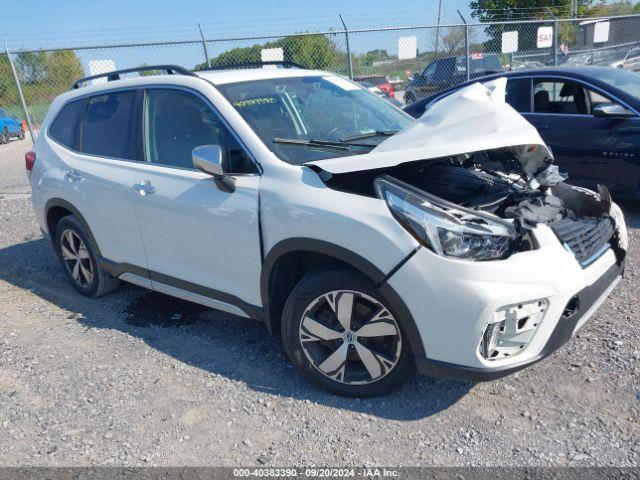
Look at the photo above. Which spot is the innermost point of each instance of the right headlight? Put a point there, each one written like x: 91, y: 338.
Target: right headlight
x: 448, y: 229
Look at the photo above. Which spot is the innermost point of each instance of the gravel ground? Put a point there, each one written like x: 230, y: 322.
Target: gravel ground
x: 137, y: 378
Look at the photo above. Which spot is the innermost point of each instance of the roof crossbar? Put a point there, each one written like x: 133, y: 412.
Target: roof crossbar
x: 115, y: 74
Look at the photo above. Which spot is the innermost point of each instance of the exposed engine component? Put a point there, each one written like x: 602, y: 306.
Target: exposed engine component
x: 496, y: 182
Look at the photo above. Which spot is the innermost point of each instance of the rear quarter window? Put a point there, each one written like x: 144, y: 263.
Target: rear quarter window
x: 64, y: 127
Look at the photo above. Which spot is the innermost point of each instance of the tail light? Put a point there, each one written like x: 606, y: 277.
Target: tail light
x: 29, y: 160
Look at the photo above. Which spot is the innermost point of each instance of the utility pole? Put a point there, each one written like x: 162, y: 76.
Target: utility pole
x: 438, y: 25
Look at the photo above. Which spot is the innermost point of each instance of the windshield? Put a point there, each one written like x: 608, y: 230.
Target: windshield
x: 312, y: 110
x: 625, y: 80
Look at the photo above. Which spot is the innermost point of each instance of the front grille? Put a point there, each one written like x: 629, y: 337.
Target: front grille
x: 585, y: 238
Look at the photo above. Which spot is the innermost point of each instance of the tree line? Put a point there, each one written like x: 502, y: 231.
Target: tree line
x: 43, y: 76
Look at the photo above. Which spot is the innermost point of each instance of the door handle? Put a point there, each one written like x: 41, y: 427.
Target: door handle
x: 72, y: 175
x: 541, y: 126
x: 144, y: 188
x: 627, y: 131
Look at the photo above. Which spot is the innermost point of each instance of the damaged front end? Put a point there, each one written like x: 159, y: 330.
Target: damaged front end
x: 474, y: 203
x: 483, y: 206
x: 476, y: 207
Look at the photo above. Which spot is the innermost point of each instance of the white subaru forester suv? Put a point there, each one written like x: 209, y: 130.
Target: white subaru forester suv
x: 373, y: 245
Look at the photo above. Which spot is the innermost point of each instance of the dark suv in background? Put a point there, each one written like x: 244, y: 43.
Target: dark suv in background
x: 447, y: 72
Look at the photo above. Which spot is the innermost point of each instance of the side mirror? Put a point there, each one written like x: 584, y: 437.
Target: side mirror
x: 611, y: 110
x: 208, y: 159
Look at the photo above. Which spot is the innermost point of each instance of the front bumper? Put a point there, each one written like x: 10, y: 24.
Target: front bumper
x: 589, y: 299
x: 453, y: 301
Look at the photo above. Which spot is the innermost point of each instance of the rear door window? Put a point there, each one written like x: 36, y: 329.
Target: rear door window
x: 64, y: 127
x: 109, y: 127
x: 560, y: 97
x: 566, y: 97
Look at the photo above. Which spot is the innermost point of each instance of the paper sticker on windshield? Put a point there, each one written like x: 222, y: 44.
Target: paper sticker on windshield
x: 342, y: 83
x: 252, y: 102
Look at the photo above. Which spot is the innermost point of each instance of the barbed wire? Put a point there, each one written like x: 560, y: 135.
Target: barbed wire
x: 262, y: 27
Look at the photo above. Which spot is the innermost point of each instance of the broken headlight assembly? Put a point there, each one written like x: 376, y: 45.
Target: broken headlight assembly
x: 446, y: 228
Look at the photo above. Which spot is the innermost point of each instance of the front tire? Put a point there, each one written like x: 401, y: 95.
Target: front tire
x: 79, y: 259
x: 341, y: 334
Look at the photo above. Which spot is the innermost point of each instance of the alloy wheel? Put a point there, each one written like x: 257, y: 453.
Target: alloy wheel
x: 350, y: 337
x: 76, y: 258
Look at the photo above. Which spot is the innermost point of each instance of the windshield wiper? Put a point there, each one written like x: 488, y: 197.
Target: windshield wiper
x: 320, y: 143
x: 376, y: 133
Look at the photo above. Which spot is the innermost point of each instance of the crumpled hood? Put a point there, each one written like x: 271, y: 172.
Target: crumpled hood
x: 473, y: 119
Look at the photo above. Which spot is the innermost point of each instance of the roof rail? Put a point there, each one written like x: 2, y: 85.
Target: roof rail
x: 231, y: 66
x: 115, y: 74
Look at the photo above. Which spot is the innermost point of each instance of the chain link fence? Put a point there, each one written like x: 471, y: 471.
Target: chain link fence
x: 407, y: 62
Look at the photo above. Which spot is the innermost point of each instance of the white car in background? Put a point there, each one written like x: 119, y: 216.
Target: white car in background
x: 371, y: 244
x: 631, y: 60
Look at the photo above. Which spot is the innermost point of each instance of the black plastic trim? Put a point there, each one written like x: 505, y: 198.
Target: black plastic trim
x: 58, y: 202
x: 301, y: 244
x: 116, y: 269
x: 401, y: 263
x: 356, y: 261
x: 115, y: 74
x: 561, y: 334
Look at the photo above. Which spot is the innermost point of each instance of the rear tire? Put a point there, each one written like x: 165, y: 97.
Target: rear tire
x: 341, y: 334
x: 79, y: 258
x: 4, y: 136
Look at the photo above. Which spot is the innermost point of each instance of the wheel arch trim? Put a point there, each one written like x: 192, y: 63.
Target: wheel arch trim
x: 58, y: 202
x: 359, y: 263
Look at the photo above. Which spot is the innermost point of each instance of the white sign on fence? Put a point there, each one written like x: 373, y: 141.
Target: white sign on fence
x: 601, y: 32
x: 510, y: 42
x: 545, y: 37
x: 407, y: 47
x: 96, y: 67
x: 272, y: 55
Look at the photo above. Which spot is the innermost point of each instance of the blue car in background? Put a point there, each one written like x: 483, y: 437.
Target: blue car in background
x: 10, y: 126
x: 588, y: 116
